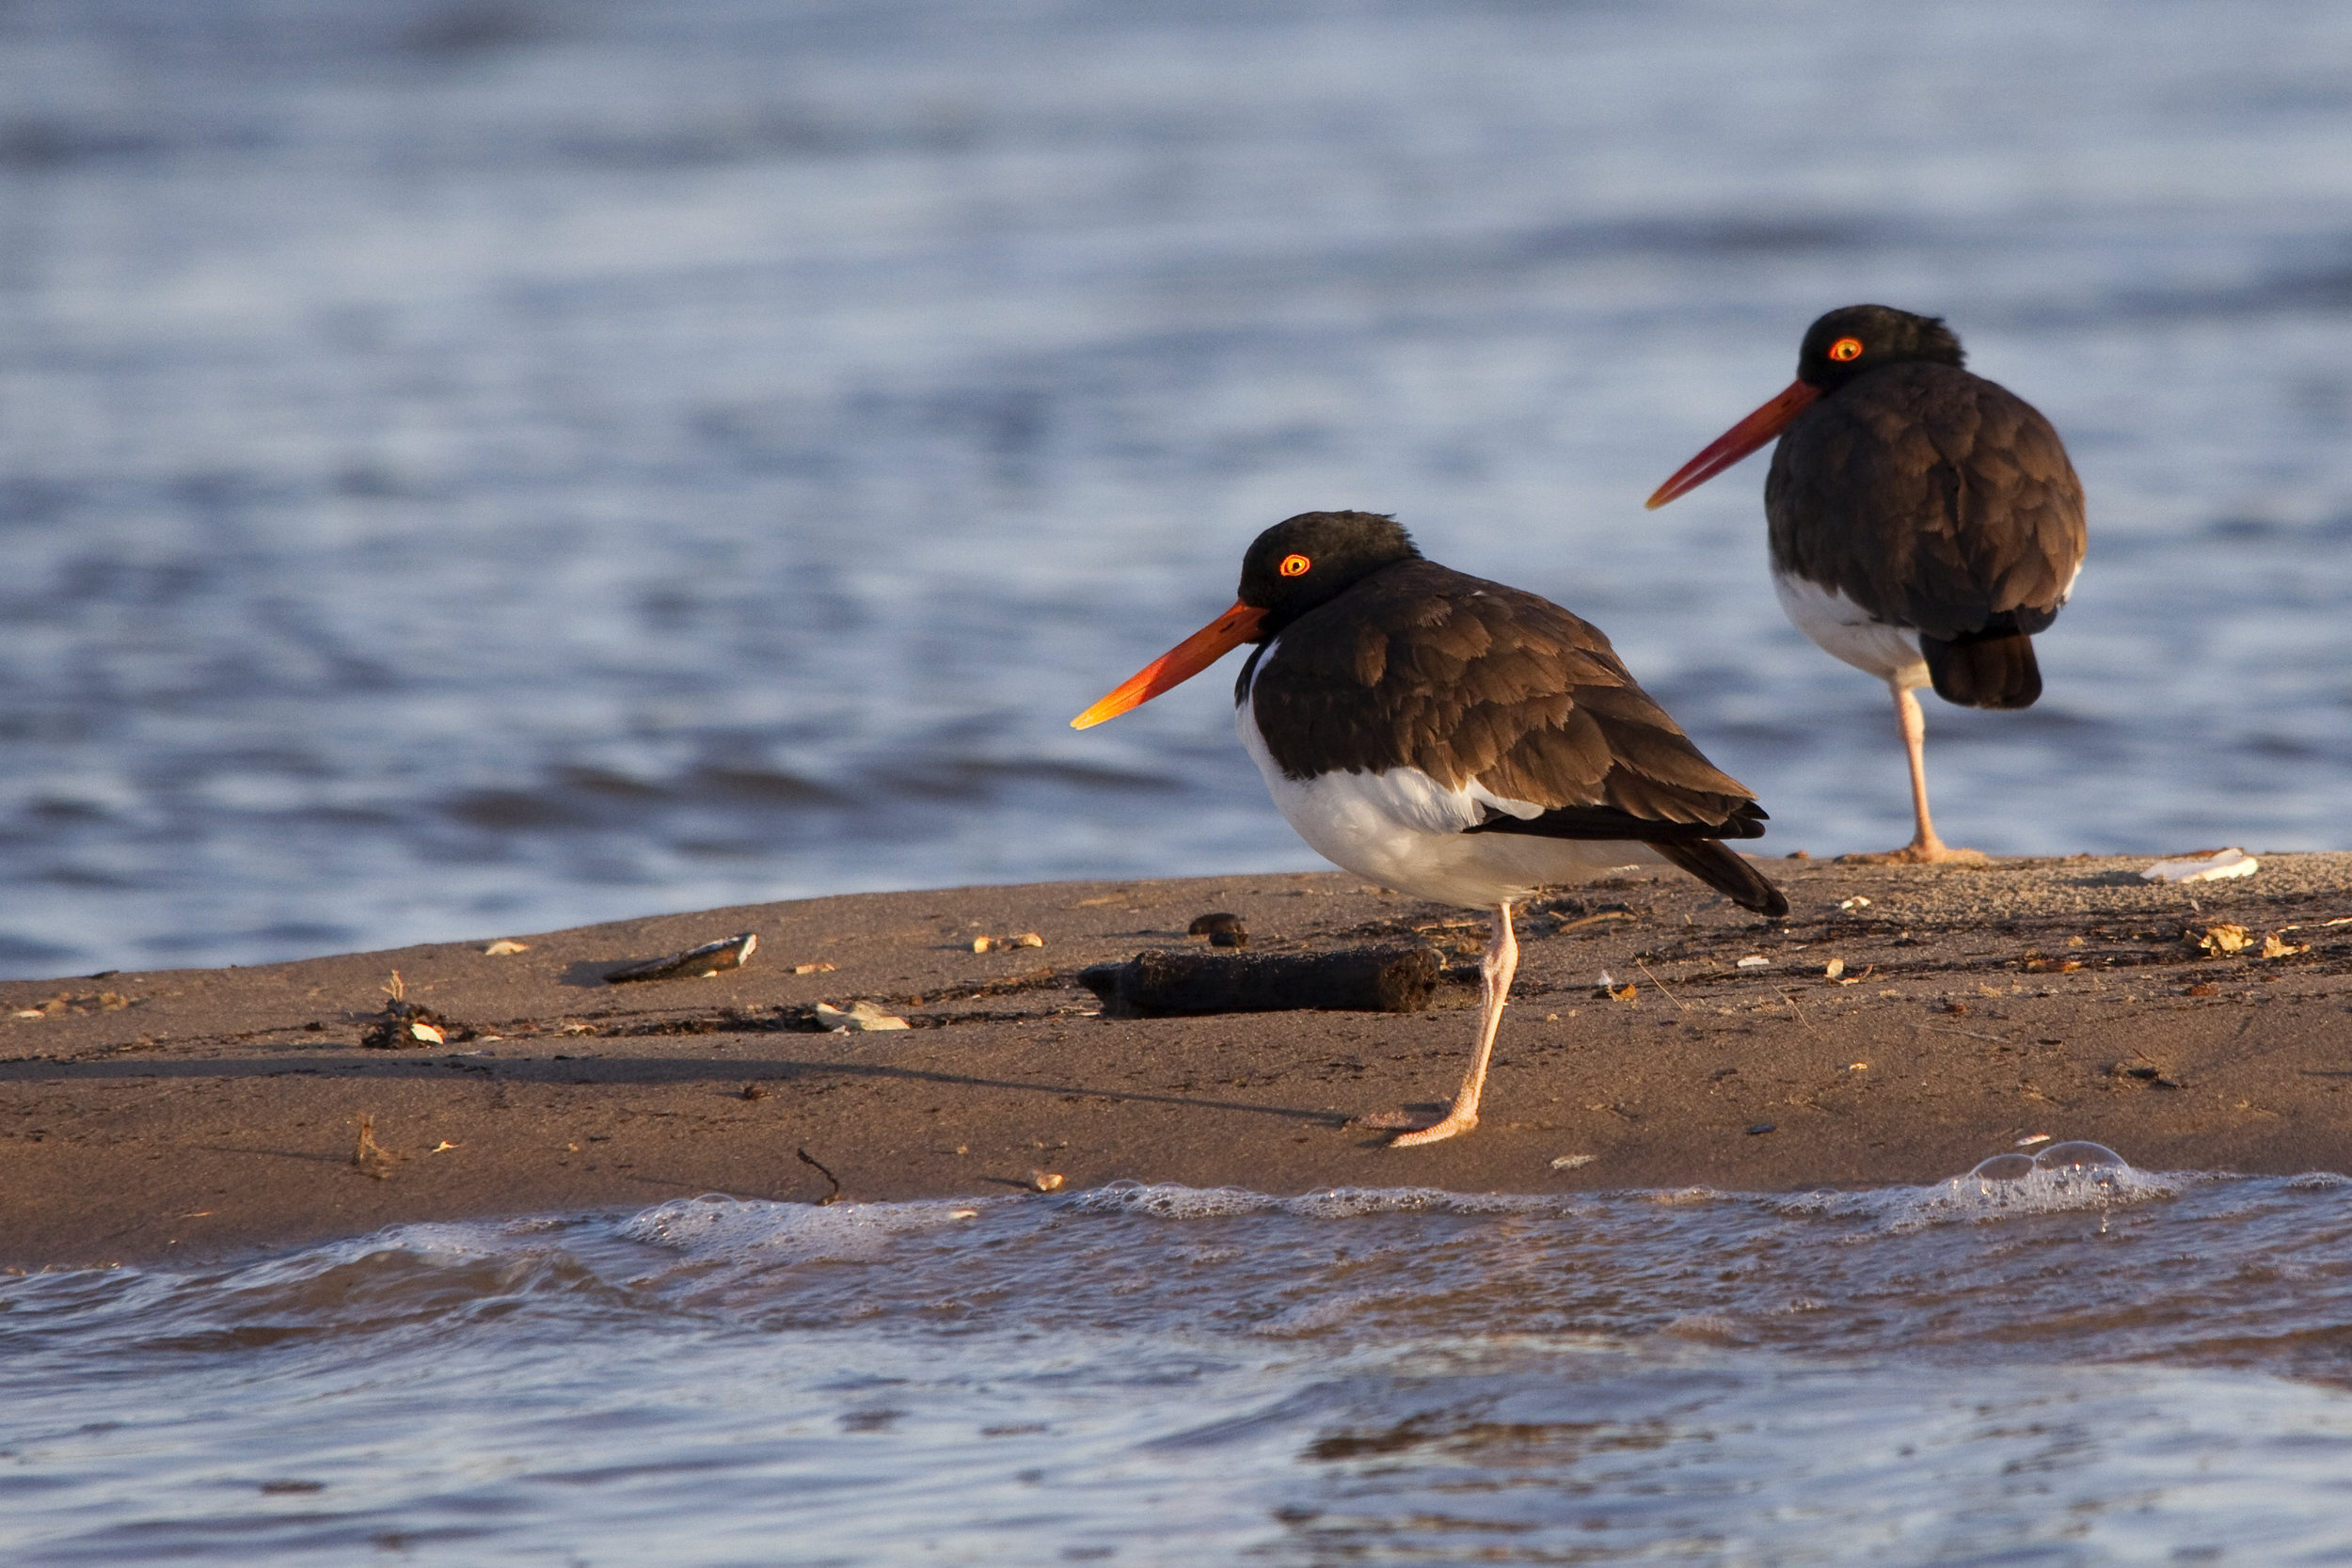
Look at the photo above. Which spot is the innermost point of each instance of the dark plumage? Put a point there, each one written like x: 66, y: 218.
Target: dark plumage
x: 1925, y: 522
x: 1935, y: 501
x: 1420, y: 666
x: 1454, y: 737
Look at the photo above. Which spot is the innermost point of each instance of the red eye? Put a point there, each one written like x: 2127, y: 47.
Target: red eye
x: 1294, y: 566
x: 1845, y: 349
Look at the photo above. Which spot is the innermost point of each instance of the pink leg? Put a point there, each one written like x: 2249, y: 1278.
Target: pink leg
x: 1495, y: 971
x: 1925, y: 848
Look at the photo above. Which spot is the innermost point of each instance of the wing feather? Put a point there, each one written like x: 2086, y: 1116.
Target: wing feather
x: 1476, y: 683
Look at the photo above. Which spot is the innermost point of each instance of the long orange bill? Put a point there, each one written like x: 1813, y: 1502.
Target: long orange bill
x: 1178, y: 665
x: 1737, y: 442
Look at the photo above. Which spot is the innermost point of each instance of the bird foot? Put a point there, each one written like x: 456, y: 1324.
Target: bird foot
x: 1920, y: 854
x: 1438, y: 1134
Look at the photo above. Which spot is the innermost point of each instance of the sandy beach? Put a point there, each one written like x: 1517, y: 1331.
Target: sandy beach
x: 203, y: 1112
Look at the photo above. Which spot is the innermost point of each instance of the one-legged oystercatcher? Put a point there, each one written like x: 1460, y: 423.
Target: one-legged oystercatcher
x: 1925, y: 522
x: 1452, y: 737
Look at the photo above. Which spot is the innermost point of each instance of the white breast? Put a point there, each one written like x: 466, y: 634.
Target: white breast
x: 1844, y: 629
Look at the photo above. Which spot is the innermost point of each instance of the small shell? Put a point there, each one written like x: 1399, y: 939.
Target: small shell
x: 504, y: 945
x: 2213, y: 866
x: 2223, y: 938
x: 857, y: 1018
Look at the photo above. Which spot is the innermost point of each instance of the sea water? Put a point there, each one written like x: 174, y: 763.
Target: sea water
x: 475, y: 466
x: 2068, y: 1363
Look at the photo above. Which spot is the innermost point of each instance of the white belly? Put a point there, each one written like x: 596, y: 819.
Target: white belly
x: 1404, y: 830
x: 1844, y: 629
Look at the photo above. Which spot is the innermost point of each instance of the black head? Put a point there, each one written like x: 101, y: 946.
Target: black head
x: 1860, y: 338
x: 1311, y: 559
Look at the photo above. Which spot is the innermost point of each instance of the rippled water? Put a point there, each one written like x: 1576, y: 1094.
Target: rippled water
x: 2087, y: 1366
x: 483, y: 464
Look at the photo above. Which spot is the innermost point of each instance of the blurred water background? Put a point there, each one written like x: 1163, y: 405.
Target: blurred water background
x: 487, y: 466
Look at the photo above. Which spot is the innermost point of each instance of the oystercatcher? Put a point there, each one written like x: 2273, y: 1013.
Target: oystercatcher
x: 1455, y: 739
x: 1924, y: 521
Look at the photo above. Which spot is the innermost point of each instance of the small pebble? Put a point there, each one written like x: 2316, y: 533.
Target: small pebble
x: 1761, y: 1126
x: 1570, y: 1161
x: 1222, y: 929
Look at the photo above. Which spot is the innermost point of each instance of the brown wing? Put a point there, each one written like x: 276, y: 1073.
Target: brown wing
x: 1932, y: 498
x: 1418, y: 666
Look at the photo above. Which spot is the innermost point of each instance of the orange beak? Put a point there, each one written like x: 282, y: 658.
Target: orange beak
x: 1178, y: 665
x: 1737, y: 442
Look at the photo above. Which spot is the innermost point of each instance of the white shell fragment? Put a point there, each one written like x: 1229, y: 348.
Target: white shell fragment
x: 1571, y: 1161
x: 999, y: 944
x: 505, y: 945
x: 1755, y: 960
x: 857, y: 1018
x: 2213, y: 866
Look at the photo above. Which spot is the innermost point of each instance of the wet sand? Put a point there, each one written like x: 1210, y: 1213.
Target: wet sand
x: 202, y: 1113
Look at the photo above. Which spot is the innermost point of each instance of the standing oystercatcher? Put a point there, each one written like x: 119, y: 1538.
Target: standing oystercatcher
x: 1453, y: 737
x: 1925, y: 522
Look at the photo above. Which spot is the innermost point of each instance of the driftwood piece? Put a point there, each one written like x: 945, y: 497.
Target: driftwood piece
x: 1157, y: 983
x: 696, y: 962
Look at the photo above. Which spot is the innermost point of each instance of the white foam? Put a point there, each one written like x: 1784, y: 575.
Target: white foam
x: 2062, y: 1177
x: 1169, y: 1200
x: 2059, y: 1178
x: 790, y: 1232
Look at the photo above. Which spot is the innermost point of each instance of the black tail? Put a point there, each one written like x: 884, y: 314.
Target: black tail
x: 1993, y: 668
x: 1727, y: 874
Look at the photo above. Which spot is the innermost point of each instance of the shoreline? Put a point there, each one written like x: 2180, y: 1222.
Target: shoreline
x: 196, y: 1115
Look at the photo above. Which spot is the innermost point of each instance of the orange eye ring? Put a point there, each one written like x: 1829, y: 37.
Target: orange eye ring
x: 1294, y: 566
x: 1845, y: 349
